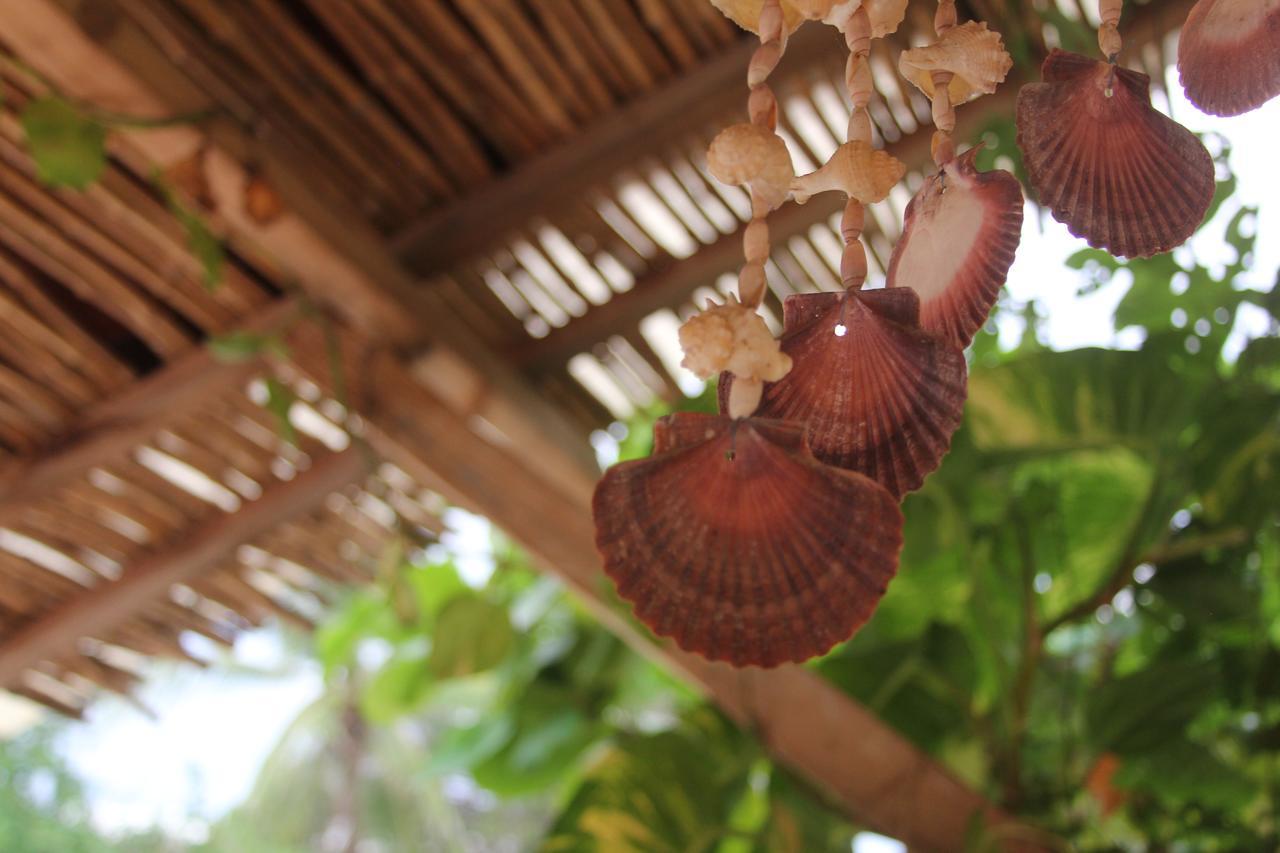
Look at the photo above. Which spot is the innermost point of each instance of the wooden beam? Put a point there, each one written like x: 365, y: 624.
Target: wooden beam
x: 872, y: 772
x: 100, y: 608
x: 115, y: 426
x: 670, y: 285
x: 559, y: 177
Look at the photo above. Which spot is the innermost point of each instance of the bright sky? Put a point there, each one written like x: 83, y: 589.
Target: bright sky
x: 215, y: 729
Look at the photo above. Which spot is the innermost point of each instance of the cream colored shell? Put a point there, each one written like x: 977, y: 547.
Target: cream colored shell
x: 746, y: 13
x: 735, y: 338
x: 754, y: 156
x: 886, y: 15
x: 971, y: 52
x: 860, y: 171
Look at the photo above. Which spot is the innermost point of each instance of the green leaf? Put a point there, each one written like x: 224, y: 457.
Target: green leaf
x: 68, y: 147
x: 471, y: 635
x: 551, y: 734
x: 1079, y: 511
x: 666, y: 793
x: 1182, y: 772
x: 1144, y: 712
x: 363, y: 615
x: 238, y: 347
x: 463, y: 747
x: 1083, y: 398
x: 400, y: 685
x: 204, y: 245
x: 433, y: 586
x: 280, y: 399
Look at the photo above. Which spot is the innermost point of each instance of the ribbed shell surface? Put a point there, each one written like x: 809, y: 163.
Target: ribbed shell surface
x: 1229, y: 55
x: 1112, y: 168
x: 736, y: 543
x: 958, y: 241
x: 883, y: 399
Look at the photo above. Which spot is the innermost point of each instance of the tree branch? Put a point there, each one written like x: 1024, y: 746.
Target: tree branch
x: 1123, y: 573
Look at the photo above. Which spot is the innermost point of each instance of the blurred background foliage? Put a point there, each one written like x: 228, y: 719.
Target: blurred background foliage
x: 1085, y: 627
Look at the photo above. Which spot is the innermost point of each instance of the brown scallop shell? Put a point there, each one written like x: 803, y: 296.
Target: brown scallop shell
x: 958, y: 242
x: 1116, y: 171
x: 883, y: 399
x: 739, y: 545
x: 1229, y: 55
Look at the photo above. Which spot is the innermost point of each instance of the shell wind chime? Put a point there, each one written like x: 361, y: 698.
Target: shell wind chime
x: 769, y: 533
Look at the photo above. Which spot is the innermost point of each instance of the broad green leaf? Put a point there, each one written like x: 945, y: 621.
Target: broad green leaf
x: 673, y: 791
x: 433, y: 586
x: 550, y: 736
x: 362, y: 616
x: 1078, y: 513
x: 1182, y: 772
x: 68, y: 147
x: 400, y: 685
x: 1082, y: 398
x: 1143, y: 713
x: 471, y: 635
x: 463, y: 747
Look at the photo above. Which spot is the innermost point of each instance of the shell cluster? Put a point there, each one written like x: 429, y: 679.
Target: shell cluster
x: 768, y: 533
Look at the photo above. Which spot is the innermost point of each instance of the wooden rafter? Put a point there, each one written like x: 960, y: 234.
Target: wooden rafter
x: 102, y: 607
x: 559, y: 178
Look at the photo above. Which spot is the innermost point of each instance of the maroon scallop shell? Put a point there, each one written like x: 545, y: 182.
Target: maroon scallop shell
x: 1229, y: 55
x: 883, y: 399
x: 1118, y: 173
x: 958, y: 241
x: 739, y: 545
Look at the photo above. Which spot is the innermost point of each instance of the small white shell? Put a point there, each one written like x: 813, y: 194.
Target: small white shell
x: 972, y: 53
x: 860, y: 171
x: 733, y: 338
x: 753, y: 156
x: 886, y: 15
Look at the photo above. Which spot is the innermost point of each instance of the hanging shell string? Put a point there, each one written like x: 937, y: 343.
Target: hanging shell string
x: 943, y: 147
x: 857, y: 79
x: 733, y: 337
x: 762, y: 107
x: 1109, y: 31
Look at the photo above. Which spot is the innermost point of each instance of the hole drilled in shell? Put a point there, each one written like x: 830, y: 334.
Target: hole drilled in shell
x: 758, y: 558
x: 1112, y: 168
x: 883, y: 399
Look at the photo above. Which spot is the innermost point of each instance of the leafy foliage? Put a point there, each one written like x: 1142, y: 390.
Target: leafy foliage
x: 69, y: 148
